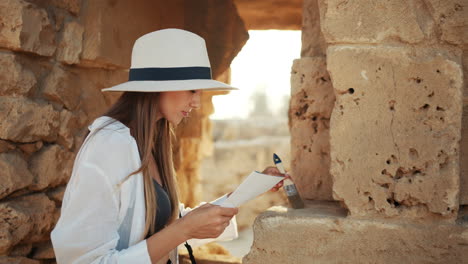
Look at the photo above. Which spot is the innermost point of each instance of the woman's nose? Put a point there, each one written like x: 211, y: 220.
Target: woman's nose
x: 195, y: 103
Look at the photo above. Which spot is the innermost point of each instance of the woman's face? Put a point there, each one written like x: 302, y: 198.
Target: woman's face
x: 174, y: 106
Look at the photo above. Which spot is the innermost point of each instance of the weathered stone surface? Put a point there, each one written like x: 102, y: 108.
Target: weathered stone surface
x: 30, y: 148
x: 261, y: 14
x: 20, y: 250
x: 14, y: 78
x: 322, y: 233
x: 57, y: 194
x: 395, y: 130
x: 452, y: 18
x: 70, y: 45
x: 465, y: 72
x: 62, y: 86
x: 15, y: 173
x: 23, y: 120
x: 31, y: 216
x: 464, y: 156
x: 51, y: 167
x: 375, y: 21
x: 26, y: 28
x: 6, y: 146
x: 69, y: 123
x: 44, y: 251
x: 72, y: 6
x: 18, y: 260
x: 103, y: 46
x: 312, y: 100
x: 313, y: 41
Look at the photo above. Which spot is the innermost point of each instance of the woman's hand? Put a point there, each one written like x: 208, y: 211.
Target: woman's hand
x: 275, y: 172
x: 207, y: 221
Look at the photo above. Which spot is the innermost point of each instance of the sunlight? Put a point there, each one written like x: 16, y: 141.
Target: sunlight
x: 262, y: 66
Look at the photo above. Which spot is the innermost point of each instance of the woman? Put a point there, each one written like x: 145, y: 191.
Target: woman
x: 121, y: 203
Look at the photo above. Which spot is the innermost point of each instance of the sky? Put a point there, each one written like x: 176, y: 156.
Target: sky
x: 263, y: 65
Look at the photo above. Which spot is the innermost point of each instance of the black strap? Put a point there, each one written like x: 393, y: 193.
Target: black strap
x: 189, y: 249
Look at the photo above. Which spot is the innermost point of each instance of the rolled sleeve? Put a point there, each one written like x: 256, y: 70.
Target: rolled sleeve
x: 87, y: 230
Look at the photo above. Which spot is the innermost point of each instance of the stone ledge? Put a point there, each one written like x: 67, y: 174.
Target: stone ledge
x: 322, y: 233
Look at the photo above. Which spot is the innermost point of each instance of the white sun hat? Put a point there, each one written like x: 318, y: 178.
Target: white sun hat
x: 170, y: 59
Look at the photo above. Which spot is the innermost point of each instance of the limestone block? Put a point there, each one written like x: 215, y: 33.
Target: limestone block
x: 23, y: 120
x: 103, y: 46
x: 6, y: 146
x: 72, y: 6
x: 26, y: 27
x: 62, y: 86
x: 56, y: 194
x: 51, y: 167
x: 70, y: 45
x: 30, y: 148
x: 313, y: 41
x: 312, y: 100
x: 20, y: 250
x: 15, y: 173
x: 464, y: 156
x: 395, y: 130
x: 44, y: 251
x: 31, y: 217
x: 465, y: 72
x: 322, y: 233
x: 365, y: 21
x: 265, y: 15
x: 14, y: 78
x: 18, y: 260
x: 69, y: 123
x: 452, y: 18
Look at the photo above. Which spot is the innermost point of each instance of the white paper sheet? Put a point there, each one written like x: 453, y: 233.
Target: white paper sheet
x: 254, y: 185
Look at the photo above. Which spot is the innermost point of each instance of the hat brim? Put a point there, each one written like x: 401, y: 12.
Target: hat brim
x: 168, y: 86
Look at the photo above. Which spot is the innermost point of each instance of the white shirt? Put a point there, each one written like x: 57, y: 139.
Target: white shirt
x: 99, y: 222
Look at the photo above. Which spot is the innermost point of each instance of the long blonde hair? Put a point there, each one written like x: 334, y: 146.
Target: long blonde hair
x: 139, y: 112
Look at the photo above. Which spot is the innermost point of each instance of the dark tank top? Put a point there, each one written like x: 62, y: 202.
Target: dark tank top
x: 164, y: 208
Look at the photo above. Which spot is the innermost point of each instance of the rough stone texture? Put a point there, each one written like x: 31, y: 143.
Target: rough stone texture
x: 72, y: 6
x: 23, y: 120
x: 69, y: 123
x: 312, y: 100
x: 44, y: 251
x: 452, y: 18
x: 216, y: 21
x: 30, y: 148
x: 21, y: 250
x: 375, y: 21
x: 313, y: 41
x: 51, y: 167
x: 465, y: 71
x: 70, y: 45
x: 15, y: 173
x: 26, y: 27
x: 29, y: 217
x: 395, y: 130
x: 61, y: 86
x: 266, y: 14
x: 6, y: 146
x: 14, y: 78
x: 18, y: 260
x: 464, y: 156
x: 316, y: 233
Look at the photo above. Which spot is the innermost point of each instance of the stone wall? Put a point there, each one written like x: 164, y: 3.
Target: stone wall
x: 396, y: 139
x: 55, y: 57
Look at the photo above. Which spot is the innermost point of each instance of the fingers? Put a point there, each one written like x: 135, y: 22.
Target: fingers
x: 226, y: 211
